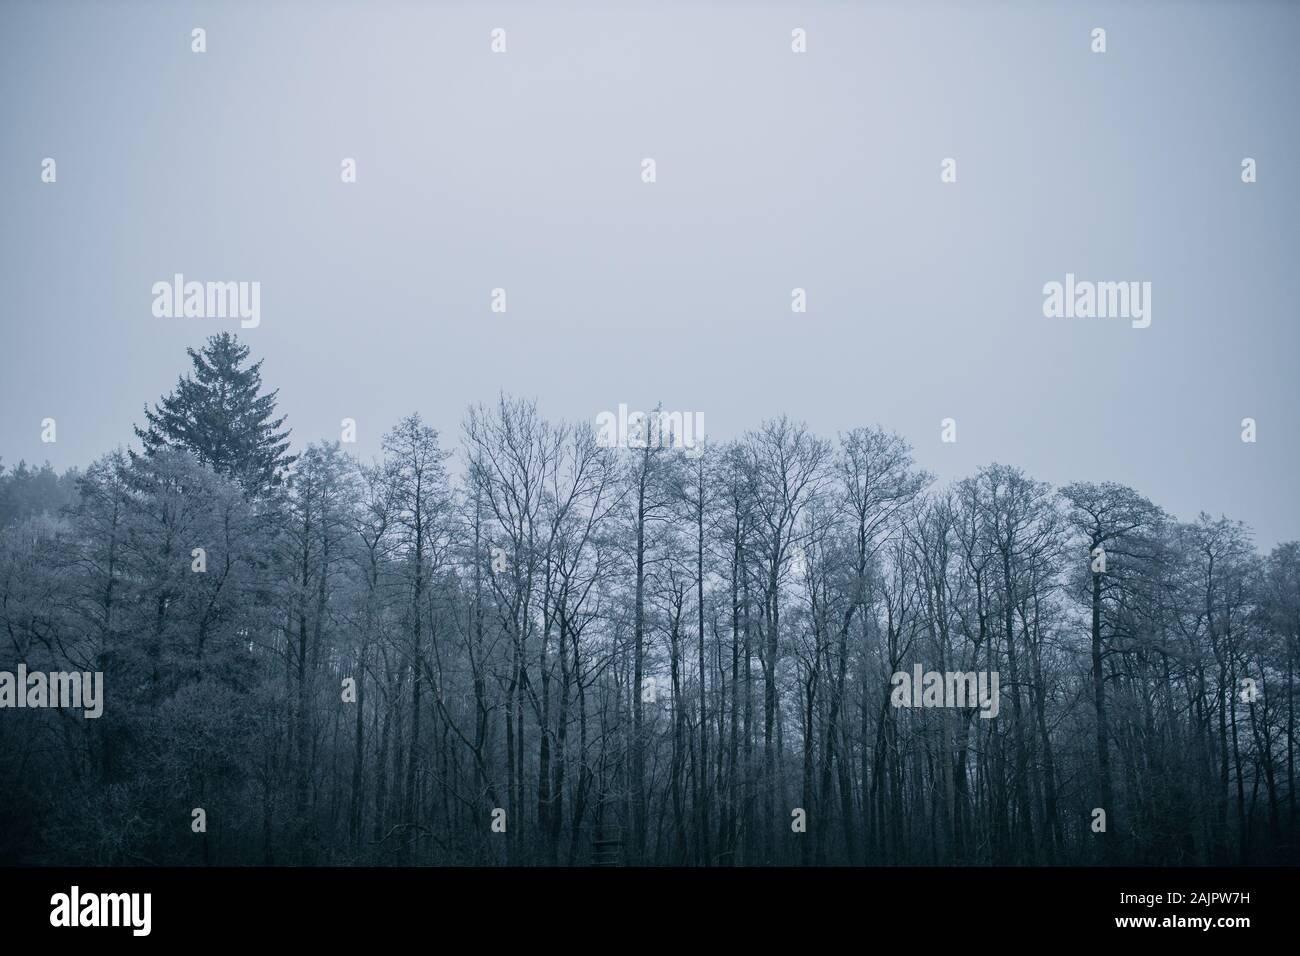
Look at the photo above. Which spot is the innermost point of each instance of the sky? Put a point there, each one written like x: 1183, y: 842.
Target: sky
x: 775, y: 170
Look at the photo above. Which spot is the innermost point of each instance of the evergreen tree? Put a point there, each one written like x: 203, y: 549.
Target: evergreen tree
x: 219, y: 417
x: 26, y: 491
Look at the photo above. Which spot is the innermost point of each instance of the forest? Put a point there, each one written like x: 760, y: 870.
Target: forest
x: 516, y: 646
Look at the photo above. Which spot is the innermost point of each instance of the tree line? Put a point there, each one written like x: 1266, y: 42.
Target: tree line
x: 519, y: 646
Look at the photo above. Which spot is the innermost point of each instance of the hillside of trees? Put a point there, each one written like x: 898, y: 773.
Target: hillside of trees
x: 514, y: 646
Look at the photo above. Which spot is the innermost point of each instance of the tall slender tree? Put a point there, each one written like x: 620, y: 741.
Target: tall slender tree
x: 219, y: 415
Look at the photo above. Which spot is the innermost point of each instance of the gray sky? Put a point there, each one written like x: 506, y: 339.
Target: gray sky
x: 775, y: 170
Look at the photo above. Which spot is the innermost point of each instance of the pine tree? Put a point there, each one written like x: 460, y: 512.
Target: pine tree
x: 219, y: 417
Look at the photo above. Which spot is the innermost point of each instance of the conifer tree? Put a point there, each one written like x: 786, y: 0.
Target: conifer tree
x: 218, y: 415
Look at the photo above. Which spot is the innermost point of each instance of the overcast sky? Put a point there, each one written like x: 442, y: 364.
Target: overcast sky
x: 775, y: 170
